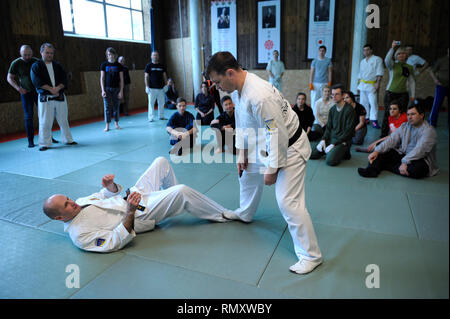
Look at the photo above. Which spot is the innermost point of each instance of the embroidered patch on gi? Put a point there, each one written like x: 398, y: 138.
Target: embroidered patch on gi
x: 94, y: 198
x: 271, y: 125
x: 100, y: 242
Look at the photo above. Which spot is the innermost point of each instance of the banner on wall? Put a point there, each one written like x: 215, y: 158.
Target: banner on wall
x: 223, y: 27
x: 321, y: 27
x: 269, y: 26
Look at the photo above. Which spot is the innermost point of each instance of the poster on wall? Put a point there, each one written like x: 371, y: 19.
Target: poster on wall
x: 269, y: 29
x: 223, y: 26
x: 321, y: 27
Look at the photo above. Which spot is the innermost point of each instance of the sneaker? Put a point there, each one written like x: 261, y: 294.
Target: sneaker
x: 54, y: 141
x: 367, y: 172
x: 375, y: 124
x: 304, y: 266
x: 72, y: 143
x: 43, y: 148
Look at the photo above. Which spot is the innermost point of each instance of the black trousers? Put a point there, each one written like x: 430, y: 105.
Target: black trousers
x: 403, y: 99
x: 392, y: 160
x: 223, y: 139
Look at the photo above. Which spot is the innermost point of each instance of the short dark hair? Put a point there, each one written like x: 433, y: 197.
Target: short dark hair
x: 323, y: 47
x: 394, y: 102
x: 111, y: 50
x: 300, y: 93
x: 350, y: 94
x: 181, y: 99
x: 226, y: 98
x: 204, y: 83
x: 338, y: 86
x: 367, y: 45
x: 220, y: 62
x: 420, y: 109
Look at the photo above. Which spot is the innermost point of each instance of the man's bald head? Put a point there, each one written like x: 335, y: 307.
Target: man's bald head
x: 60, y: 207
x: 25, y: 52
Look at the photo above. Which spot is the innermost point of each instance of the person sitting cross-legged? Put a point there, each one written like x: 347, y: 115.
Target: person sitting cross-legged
x: 409, y: 151
x: 224, y: 126
x: 182, y: 129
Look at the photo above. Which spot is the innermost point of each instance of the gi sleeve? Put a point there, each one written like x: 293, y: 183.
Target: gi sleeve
x: 269, y: 115
x: 380, y: 67
x: 423, y: 147
x: 102, y: 194
x: 103, y: 241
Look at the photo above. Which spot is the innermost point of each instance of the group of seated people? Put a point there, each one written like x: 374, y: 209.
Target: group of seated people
x: 337, y: 122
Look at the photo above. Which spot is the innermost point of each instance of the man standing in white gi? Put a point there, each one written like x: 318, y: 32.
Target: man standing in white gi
x: 371, y: 71
x: 275, y: 69
x: 105, y: 221
x: 262, y: 112
x: 50, y: 81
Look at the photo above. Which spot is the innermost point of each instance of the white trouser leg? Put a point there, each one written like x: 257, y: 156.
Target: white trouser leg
x: 316, y: 94
x: 61, y: 114
x: 251, y: 188
x: 161, y: 100
x: 290, y: 194
x: 46, y: 113
x: 364, y: 101
x: 174, y: 200
x: 151, y: 103
x: 159, y: 175
x: 373, y: 100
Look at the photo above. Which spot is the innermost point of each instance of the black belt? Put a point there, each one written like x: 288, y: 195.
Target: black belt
x: 139, y: 207
x: 45, y: 98
x: 296, y: 136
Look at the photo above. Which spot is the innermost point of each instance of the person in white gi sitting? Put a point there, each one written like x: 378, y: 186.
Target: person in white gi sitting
x: 106, y: 221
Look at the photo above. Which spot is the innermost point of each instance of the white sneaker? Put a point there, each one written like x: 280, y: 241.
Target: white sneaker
x: 304, y: 266
x: 230, y: 215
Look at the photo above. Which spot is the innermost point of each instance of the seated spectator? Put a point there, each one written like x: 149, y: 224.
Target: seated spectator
x: 171, y: 94
x: 396, y: 119
x: 337, y: 139
x: 361, y: 127
x: 304, y: 113
x: 224, y: 126
x: 322, y: 108
x: 181, y: 129
x: 213, y: 91
x: 204, y: 104
x: 409, y: 151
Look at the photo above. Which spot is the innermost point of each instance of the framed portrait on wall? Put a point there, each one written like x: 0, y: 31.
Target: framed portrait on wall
x: 269, y: 30
x: 223, y: 27
x: 321, y: 27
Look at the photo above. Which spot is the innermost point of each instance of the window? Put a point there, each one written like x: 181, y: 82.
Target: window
x: 113, y: 19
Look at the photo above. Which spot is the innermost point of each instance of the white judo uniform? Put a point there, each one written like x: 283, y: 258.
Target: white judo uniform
x: 99, y: 226
x: 369, y: 70
x: 260, y: 108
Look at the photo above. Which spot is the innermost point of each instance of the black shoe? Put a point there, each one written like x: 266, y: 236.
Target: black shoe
x: 72, y: 143
x: 367, y: 172
x: 30, y: 145
x: 54, y: 141
x: 43, y: 148
x: 180, y: 151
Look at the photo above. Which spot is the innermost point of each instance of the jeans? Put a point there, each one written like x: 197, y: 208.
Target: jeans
x: 439, y: 96
x: 28, y: 101
x: 111, y: 104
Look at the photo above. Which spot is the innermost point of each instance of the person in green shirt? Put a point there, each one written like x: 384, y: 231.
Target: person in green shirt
x: 19, y: 78
x: 402, y: 83
x: 337, y: 139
